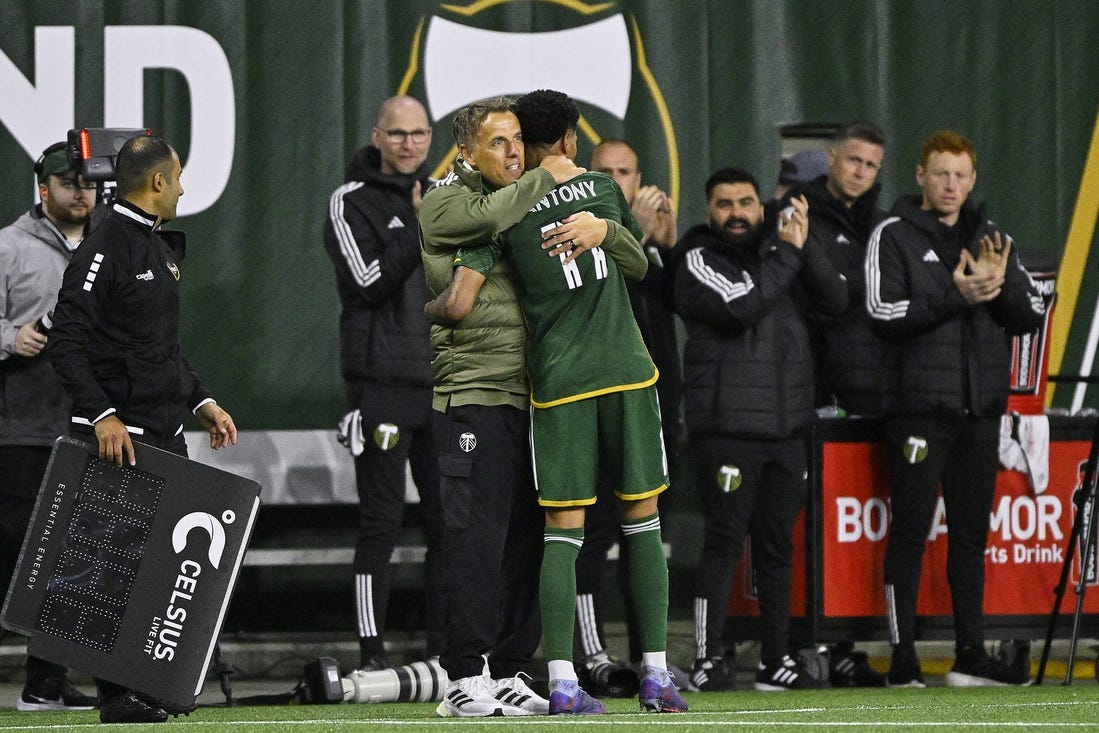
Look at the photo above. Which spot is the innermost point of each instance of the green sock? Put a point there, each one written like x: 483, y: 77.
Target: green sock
x: 648, y: 581
x: 558, y: 590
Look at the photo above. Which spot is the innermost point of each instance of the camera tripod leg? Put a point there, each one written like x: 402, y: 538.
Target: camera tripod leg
x: 1087, y: 553
x: 1084, y: 510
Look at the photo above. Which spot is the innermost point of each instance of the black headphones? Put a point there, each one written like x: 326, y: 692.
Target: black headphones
x: 41, y: 162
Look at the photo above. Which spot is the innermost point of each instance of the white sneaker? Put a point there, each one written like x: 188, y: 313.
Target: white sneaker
x: 471, y: 697
x: 518, y: 698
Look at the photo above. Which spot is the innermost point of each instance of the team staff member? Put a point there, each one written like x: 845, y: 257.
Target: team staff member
x: 481, y: 404
x: 592, y: 377
x: 854, y: 365
x: 34, y: 410
x: 944, y: 282
x: 854, y: 368
x: 115, y: 343
x: 741, y: 291
x: 371, y: 237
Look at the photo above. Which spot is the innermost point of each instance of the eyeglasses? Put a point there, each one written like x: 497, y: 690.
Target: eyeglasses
x: 71, y: 184
x: 397, y: 137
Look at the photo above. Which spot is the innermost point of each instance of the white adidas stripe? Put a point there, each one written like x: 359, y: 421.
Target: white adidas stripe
x: 725, y: 288
x: 363, y: 273
x: 877, y: 307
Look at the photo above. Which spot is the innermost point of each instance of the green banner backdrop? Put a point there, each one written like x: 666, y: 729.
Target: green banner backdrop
x: 267, y: 100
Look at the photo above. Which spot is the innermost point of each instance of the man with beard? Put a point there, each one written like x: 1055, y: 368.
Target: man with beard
x: 34, y: 411
x: 741, y: 289
x: 945, y: 284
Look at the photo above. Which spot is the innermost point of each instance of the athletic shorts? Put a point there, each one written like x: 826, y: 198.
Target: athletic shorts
x: 614, y: 437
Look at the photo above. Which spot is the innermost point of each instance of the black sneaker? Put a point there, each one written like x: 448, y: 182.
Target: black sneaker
x: 373, y: 664
x: 711, y: 674
x: 849, y: 667
x: 604, y: 676
x: 127, y: 708
x: 173, y: 709
x: 904, y: 670
x: 787, y: 675
x: 55, y: 692
x: 973, y: 667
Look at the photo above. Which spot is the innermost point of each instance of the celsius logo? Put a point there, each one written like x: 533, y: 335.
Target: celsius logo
x: 604, y: 67
x: 210, y: 525
x: 165, y: 630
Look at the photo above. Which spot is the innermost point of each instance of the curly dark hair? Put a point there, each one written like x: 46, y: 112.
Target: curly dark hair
x: 545, y: 116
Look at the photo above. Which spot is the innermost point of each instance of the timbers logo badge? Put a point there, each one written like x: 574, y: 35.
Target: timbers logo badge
x: 915, y: 449
x: 386, y: 435
x: 467, y: 442
x: 467, y: 50
x: 729, y: 478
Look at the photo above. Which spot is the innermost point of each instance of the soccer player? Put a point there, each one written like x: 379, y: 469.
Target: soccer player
x: 595, y: 404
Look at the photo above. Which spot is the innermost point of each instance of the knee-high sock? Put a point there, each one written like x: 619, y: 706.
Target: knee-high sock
x: 558, y: 590
x: 648, y: 581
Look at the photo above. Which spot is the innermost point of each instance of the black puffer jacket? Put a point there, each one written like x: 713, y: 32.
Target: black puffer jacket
x: 372, y: 237
x: 855, y: 367
x: 954, y: 357
x: 748, y: 370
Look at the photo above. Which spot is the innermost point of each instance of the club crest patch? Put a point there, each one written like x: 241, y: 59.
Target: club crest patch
x: 467, y: 442
x: 729, y: 478
x: 386, y: 435
x: 915, y: 449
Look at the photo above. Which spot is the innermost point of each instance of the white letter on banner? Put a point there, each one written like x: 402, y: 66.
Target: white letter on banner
x: 129, y: 50
x: 848, y: 519
x: 875, y: 519
x: 41, y: 114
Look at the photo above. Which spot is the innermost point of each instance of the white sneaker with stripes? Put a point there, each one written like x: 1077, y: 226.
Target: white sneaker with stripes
x: 471, y: 697
x: 514, y: 693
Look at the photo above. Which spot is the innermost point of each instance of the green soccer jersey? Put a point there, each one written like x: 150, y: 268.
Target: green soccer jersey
x: 584, y: 340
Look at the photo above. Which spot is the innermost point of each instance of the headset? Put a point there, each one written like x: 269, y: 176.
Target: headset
x: 41, y: 162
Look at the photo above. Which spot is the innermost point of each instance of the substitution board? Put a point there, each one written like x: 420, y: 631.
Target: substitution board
x: 126, y: 572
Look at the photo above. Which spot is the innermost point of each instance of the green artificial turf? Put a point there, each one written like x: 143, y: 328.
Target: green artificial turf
x: 1051, y: 707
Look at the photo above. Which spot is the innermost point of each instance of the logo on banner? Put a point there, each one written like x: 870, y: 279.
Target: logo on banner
x: 915, y: 449
x: 598, y: 59
x: 386, y: 435
x: 166, y: 630
x: 467, y: 442
x: 729, y: 478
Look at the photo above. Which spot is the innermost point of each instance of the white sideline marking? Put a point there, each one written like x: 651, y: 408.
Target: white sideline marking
x: 644, y: 719
x: 634, y: 719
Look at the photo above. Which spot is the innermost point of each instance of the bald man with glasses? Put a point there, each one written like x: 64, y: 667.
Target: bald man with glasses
x: 372, y: 237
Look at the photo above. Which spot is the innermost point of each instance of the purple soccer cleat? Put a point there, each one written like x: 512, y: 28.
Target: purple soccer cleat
x: 568, y: 698
x: 658, y: 693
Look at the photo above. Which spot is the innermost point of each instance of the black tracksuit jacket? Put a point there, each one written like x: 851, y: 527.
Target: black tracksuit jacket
x: 115, y: 338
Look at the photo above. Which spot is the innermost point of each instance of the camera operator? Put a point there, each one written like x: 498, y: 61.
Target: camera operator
x: 115, y: 345
x: 33, y: 253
